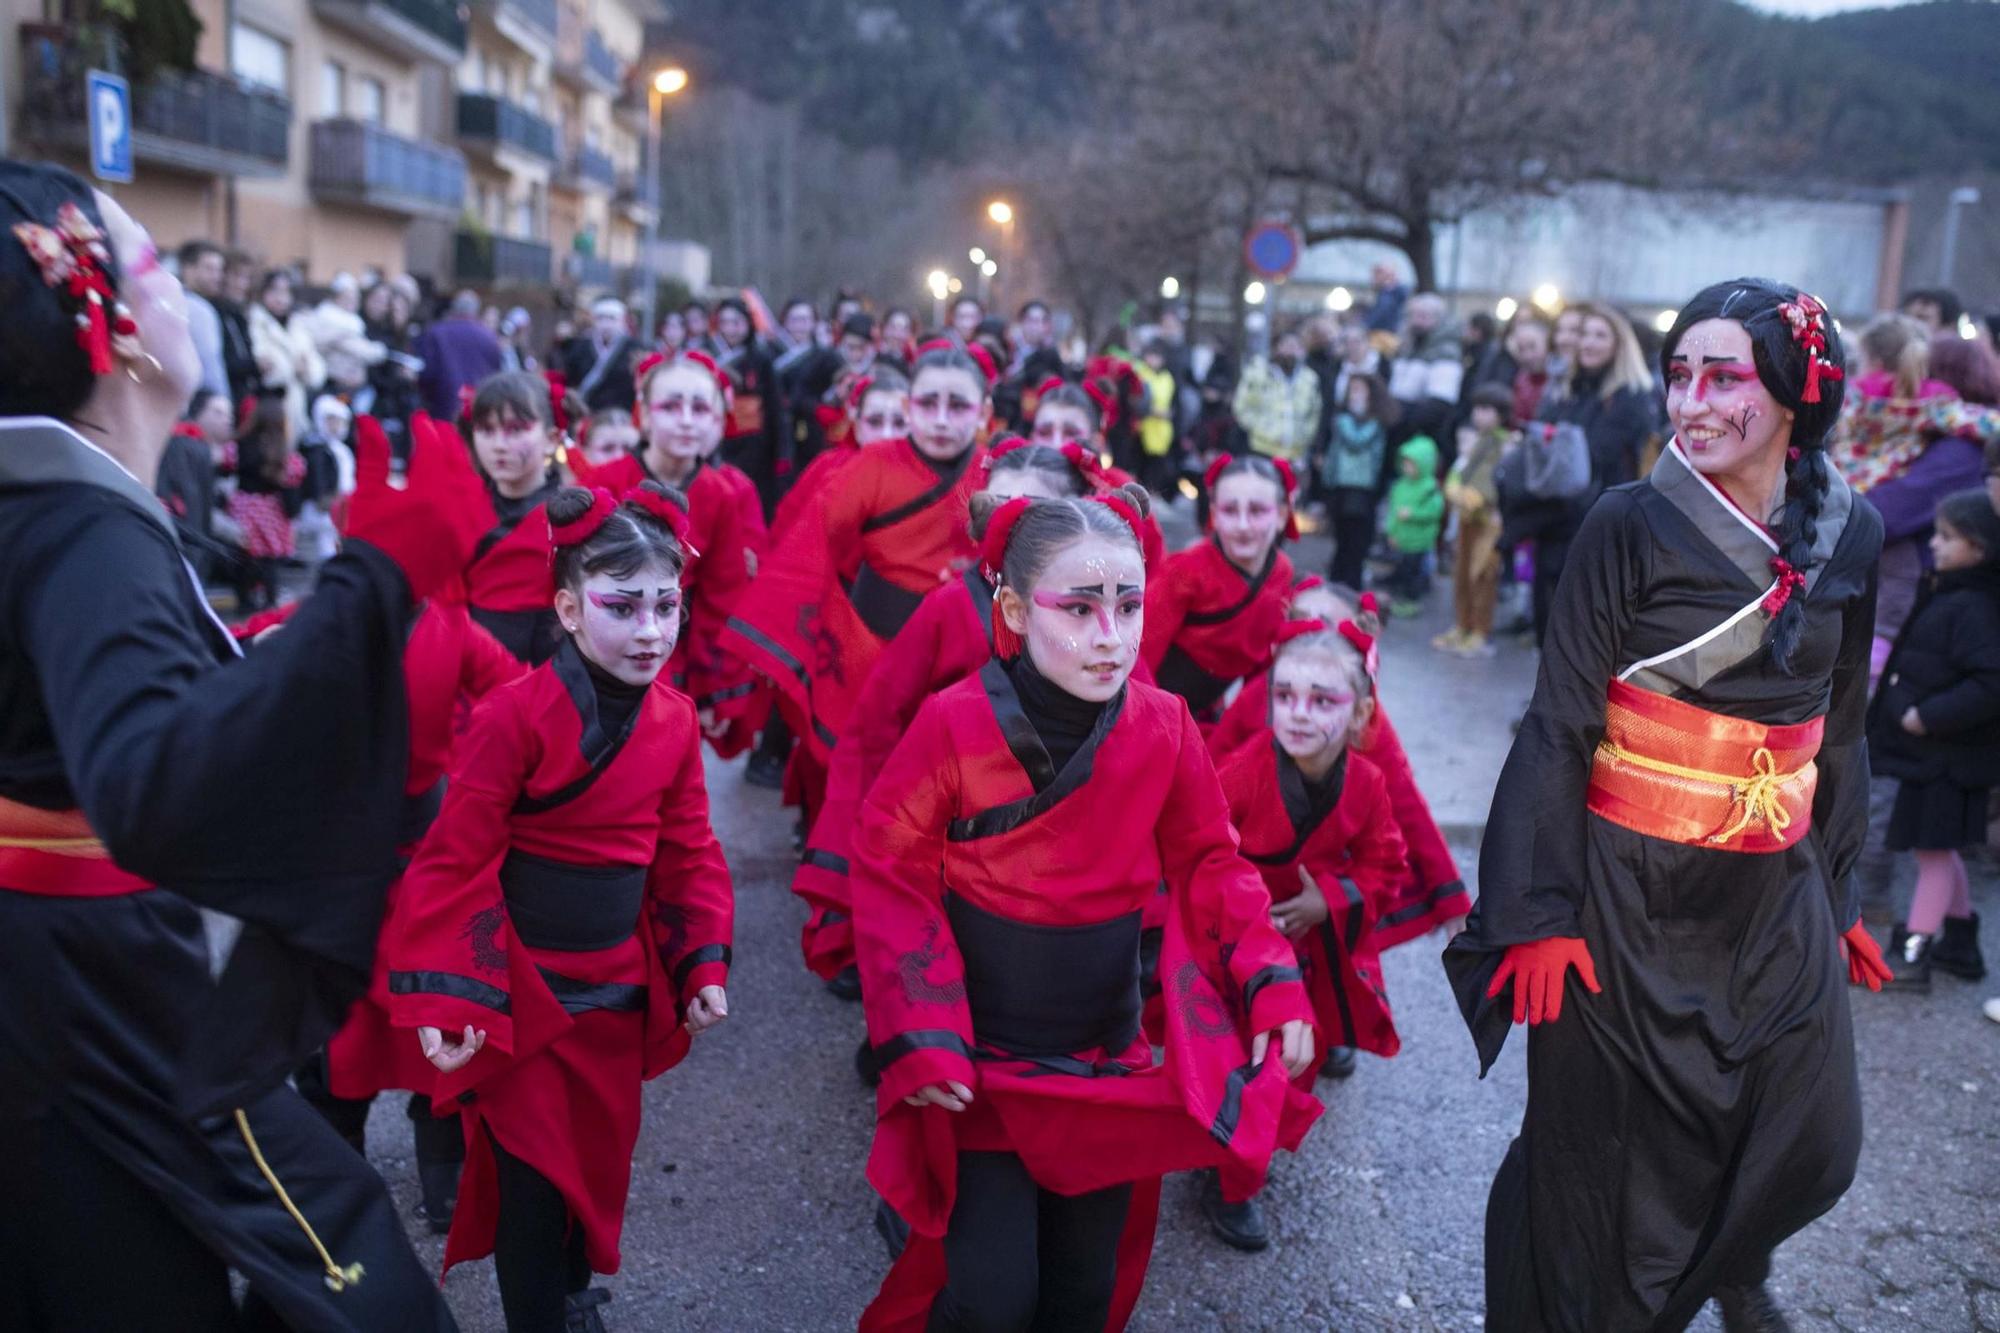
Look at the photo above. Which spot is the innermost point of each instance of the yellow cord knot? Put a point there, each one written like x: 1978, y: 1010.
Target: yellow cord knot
x: 338, y: 1279
x: 1759, y: 795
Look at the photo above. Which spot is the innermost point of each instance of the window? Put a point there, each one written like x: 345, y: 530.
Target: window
x: 332, y: 89
x: 371, y: 100
x: 257, y: 57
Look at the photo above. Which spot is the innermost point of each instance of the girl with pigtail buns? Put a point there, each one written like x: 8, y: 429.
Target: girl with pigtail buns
x: 1000, y: 868
x: 565, y: 928
x: 1678, y: 825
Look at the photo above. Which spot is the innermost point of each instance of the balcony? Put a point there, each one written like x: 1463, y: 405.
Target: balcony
x: 588, y: 168
x: 365, y: 166
x: 490, y: 261
x: 633, y: 199
x: 590, y: 271
x: 604, y: 68
x: 528, y: 24
x: 497, y: 127
x: 419, y: 30
x: 197, y: 122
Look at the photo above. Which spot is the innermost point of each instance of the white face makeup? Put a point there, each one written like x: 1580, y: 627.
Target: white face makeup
x: 1312, y: 707
x: 1248, y: 512
x: 626, y: 625
x: 946, y: 407
x: 514, y: 452
x: 158, y: 305
x: 1058, y: 424
x: 683, y: 416
x: 1721, y: 412
x: 1021, y: 481
x: 884, y: 415
x: 609, y: 440
x: 1082, y: 620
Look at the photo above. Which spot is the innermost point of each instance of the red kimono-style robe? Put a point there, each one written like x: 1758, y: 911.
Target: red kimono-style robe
x: 727, y: 531
x: 955, y: 833
x: 618, y: 821
x: 507, y: 584
x: 818, y: 474
x: 1209, y: 625
x: 1346, y: 839
x: 1429, y: 892
x: 849, y: 574
x: 448, y: 659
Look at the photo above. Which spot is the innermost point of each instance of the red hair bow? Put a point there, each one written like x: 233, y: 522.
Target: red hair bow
x: 582, y: 529
x: 558, y: 390
x: 722, y: 379
x: 1296, y: 629
x: 980, y: 356
x: 1086, y: 461
x: 1370, y: 604
x: 1807, y: 316
x: 73, y: 255
x: 659, y: 506
x: 1789, y: 582
x: 1364, y: 643
x: 466, y: 394
x: 1049, y: 386
x: 859, y: 391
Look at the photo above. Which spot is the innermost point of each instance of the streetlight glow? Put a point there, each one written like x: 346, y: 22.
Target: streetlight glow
x: 939, y: 282
x: 670, y: 81
x: 1966, y: 328
x: 954, y: 286
x: 1000, y: 211
x: 1170, y: 287
x: 1339, y: 299
x: 976, y: 255
x: 1664, y: 321
x: 988, y: 267
x: 1547, y: 297
x: 1254, y: 294
x: 1504, y: 308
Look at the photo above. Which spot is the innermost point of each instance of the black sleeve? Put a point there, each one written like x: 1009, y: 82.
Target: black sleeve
x: 1840, y: 801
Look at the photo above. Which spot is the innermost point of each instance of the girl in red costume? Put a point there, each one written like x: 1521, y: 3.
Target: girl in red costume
x: 1214, y: 611
x: 1430, y: 892
x: 682, y: 405
x: 949, y: 638
x: 514, y: 441
x: 853, y: 569
x: 1003, y: 858
x: 878, y: 408
x: 570, y: 909
x: 1315, y: 818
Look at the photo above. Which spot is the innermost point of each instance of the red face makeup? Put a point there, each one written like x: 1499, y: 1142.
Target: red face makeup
x: 1057, y: 424
x: 945, y: 409
x: 1312, y: 707
x: 1085, y: 616
x: 1722, y: 414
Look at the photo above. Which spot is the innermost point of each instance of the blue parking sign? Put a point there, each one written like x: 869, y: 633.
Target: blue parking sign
x: 108, y: 99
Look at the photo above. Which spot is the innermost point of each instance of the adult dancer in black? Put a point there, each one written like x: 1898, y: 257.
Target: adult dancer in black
x: 1679, y: 821
x: 151, y: 1143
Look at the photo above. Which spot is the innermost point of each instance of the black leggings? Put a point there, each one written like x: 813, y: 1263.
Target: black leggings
x: 1018, y: 1257
x: 1353, y: 533
x: 537, y: 1247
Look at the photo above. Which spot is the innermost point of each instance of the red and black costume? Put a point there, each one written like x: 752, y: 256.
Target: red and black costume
x: 1004, y: 856
x: 847, y: 577
x: 507, y: 580
x: 1209, y: 624
x: 570, y: 900
x: 1429, y: 891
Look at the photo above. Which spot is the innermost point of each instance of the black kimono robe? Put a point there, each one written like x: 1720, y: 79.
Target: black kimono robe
x: 1704, y: 1106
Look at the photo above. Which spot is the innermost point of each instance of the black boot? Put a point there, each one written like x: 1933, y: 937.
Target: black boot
x: 1955, y: 949
x: 440, y: 1151
x: 1909, y: 958
x: 580, y: 1310
x: 891, y: 1227
x: 1238, y: 1224
x: 765, y: 770
x: 1339, y: 1063
x: 1750, y: 1310
x: 846, y: 983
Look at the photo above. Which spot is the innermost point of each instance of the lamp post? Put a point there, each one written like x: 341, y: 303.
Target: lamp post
x: 1002, y: 214
x: 664, y: 84
x: 939, y: 283
x: 1948, y: 260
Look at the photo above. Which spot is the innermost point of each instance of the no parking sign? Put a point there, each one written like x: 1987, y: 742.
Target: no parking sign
x: 1272, y: 249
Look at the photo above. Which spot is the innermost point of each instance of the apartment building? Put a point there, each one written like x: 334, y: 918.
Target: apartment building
x: 476, y: 144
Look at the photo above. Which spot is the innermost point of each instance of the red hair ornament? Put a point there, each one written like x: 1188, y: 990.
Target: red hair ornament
x: 672, y: 515
x: 1288, y: 482
x: 980, y: 356
x: 73, y: 256
x: 1807, y: 317
x: 583, y: 528
x: 1790, y: 580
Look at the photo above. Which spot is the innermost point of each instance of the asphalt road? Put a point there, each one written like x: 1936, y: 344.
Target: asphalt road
x: 748, y: 1210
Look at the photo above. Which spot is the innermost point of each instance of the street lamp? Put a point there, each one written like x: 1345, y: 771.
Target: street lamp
x: 1170, y: 287
x: 1001, y: 212
x: 1504, y: 308
x: 976, y: 255
x: 940, y: 284
x: 1002, y: 215
x: 1339, y: 299
x: 665, y: 83
x: 1664, y: 321
x: 1254, y: 294
x: 1546, y: 297
x: 988, y: 268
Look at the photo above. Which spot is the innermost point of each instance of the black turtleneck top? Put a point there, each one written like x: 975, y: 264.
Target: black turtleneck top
x: 1062, y: 720
x: 616, y: 700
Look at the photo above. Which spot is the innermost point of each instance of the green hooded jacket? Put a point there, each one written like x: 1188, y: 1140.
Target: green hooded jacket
x: 1416, y: 504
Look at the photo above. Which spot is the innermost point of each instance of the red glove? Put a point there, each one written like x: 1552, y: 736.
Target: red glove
x: 1864, y: 958
x: 429, y: 527
x: 1536, y: 969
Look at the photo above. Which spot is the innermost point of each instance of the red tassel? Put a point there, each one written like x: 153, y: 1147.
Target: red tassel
x: 1789, y: 581
x: 1006, y: 643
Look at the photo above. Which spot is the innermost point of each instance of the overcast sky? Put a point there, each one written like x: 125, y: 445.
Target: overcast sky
x: 1814, y: 8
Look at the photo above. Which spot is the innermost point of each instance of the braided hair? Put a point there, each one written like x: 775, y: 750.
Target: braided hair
x: 1784, y: 366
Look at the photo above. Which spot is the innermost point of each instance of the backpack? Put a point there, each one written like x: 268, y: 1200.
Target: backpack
x: 1557, y: 455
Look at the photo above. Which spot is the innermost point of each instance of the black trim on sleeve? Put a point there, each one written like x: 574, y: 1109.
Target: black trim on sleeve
x: 452, y: 986
x: 1223, y: 1128
x: 578, y: 997
x: 947, y: 482
x: 707, y: 953
x: 924, y: 1039
x: 827, y: 861
x: 1271, y: 975
x: 1411, y: 911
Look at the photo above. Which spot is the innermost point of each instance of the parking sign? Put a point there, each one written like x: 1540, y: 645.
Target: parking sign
x: 109, y: 101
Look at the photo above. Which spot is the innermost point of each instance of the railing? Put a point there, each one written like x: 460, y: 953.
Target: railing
x: 477, y: 257
x: 541, y: 13
x: 194, y: 120
x: 590, y: 270
x: 597, y: 58
x: 594, y: 165
x: 366, y: 164
x: 440, y: 19
x: 486, y: 117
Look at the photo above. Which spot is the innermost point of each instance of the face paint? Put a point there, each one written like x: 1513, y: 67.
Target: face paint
x: 1722, y: 414
x: 883, y: 416
x: 1312, y: 708
x: 1057, y: 424
x: 513, y: 452
x: 683, y: 418
x: 626, y: 625
x: 1085, y: 615
x: 945, y: 411
x: 1248, y: 513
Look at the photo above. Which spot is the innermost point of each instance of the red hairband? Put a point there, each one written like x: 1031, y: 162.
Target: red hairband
x: 603, y: 504
x: 654, y: 360
x: 856, y: 394
x: 73, y: 256
x: 980, y: 356
x: 584, y: 526
x: 1808, y: 320
x: 1789, y: 582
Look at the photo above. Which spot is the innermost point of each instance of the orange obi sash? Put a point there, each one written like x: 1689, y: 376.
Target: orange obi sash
x: 54, y: 854
x: 1672, y: 771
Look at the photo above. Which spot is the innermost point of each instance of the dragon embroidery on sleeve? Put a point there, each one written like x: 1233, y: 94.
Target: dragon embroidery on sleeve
x: 1200, y: 1007
x: 825, y: 650
x: 911, y: 967
x: 482, y: 932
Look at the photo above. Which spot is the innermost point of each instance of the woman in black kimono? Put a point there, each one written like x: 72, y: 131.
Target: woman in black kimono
x: 1679, y: 821
x: 151, y: 1145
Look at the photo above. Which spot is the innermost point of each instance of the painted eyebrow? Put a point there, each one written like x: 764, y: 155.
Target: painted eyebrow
x: 1124, y: 588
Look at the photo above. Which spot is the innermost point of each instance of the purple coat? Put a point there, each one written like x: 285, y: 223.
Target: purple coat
x: 1907, y: 506
x: 455, y: 352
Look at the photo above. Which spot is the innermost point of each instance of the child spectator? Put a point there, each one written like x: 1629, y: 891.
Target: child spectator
x: 329, y: 475
x: 1474, y: 497
x: 268, y: 474
x: 607, y: 435
x: 1416, y: 514
x: 1935, y: 725
x: 1350, y: 470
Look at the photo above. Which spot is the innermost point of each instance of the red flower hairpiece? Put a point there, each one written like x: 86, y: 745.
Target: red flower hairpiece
x: 73, y: 256
x: 602, y: 503
x: 1789, y: 582
x: 1807, y: 316
x: 659, y: 506
x: 558, y: 390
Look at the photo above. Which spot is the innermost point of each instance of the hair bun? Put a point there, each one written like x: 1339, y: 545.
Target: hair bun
x: 673, y: 495
x: 1138, y: 497
x: 569, y: 504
